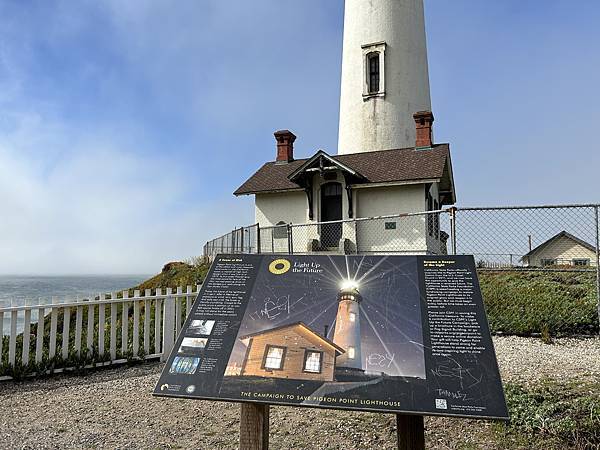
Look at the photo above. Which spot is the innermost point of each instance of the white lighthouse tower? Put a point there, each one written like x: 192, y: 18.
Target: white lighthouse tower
x: 347, y: 328
x: 385, y: 78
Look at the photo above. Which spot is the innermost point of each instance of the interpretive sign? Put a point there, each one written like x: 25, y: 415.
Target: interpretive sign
x: 401, y: 334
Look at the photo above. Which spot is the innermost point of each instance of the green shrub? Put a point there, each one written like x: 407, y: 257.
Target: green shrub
x: 565, y: 413
x: 553, y: 303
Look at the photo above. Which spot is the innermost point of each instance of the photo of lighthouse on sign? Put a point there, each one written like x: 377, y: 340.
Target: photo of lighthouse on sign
x: 338, y: 324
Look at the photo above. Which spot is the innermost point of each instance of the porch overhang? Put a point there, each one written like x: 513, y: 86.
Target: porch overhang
x: 322, y: 163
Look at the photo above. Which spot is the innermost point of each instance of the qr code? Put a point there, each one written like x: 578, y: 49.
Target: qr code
x: 441, y: 403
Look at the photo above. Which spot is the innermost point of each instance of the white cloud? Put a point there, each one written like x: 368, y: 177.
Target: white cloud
x: 102, y: 209
x: 96, y: 196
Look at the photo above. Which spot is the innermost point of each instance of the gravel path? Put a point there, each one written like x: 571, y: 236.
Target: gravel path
x: 526, y: 360
x: 114, y: 409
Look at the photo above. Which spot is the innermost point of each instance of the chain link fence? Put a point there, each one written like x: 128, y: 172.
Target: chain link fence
x: 414, y: 233
x: 539, y: 266
x: 239, y: 240
x: 540, y: 237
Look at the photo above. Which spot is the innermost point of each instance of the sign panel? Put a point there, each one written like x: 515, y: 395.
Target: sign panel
x: 377, y: 333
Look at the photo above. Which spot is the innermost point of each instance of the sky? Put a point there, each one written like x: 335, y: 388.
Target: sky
x: 126, y: 126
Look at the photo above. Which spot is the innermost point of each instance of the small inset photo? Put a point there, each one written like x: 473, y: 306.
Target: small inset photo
x: 192, y: 345
x: 201, y: 327
x: 184, y: 365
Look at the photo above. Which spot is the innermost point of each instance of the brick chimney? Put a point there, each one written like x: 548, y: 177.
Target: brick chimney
x: 285, y: 146
x: 424, y: 122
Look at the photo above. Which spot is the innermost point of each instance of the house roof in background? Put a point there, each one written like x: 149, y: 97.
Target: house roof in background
x: 384, y: 166
x: 557, y: 237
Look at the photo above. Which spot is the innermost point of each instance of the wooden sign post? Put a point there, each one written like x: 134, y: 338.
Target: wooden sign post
x: 254, y: 429
x: 254, y: 426
x: 411, y: 432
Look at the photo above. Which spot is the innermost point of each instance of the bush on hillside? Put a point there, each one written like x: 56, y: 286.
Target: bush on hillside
x: 551, y: 303
x: 565, y: 414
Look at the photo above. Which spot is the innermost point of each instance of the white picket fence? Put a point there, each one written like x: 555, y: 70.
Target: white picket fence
x: 170, y: 310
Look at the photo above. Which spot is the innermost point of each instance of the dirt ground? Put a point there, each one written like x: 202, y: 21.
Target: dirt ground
x: 115, y: 409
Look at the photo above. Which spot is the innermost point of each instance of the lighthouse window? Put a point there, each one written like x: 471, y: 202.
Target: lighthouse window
x: 273, y: 357
x: 350, y: 352
x: 374, y: 71
x: 374, y: 67
x: 352, y: 317
x: 312, y: 361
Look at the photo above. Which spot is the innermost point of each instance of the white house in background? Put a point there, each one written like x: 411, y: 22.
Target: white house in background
x: 564, y: 249
x: 387, y: 162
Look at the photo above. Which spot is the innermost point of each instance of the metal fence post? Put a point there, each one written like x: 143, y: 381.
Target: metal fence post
x: 258, y: 238
x: 290, y: 240
x: 453, y: 229
x: 356, y: 235
x: 272, y: 241
x: 597, y: 260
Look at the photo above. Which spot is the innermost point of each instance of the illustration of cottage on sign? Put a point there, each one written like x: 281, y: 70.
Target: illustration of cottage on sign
x: 290, y: 351
x: 296, y: 351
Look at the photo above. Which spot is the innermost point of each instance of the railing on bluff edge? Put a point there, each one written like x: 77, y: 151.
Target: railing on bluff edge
x: 105, y: 330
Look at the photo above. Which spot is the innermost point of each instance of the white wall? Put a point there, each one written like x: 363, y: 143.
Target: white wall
x: 380, y: 201
x: 409, y: 236
x: 290, y: 207
x: 381, y: 123
x: 410, y: 233
x: 564, y: 250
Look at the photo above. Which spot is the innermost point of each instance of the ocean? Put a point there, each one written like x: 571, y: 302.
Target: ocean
x: 21, y: 290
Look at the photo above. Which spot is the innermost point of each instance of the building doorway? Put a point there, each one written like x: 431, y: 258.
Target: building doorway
x: 331, y: 209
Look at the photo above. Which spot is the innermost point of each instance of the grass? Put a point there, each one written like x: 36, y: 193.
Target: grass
x: 177, y: 274
x: 546, y: 303
x: 552, y: 415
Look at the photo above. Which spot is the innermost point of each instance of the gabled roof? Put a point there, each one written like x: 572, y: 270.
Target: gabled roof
x: 312, y: 332
x: 557, y: 237
x: 317, y: 161
x: 384, y: 166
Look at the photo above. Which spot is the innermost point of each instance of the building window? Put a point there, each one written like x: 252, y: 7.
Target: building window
x: 273, y: 359
x: 350, y: 352
x: 280, y: 230
x: 581, y: 262
x: 548, y: 262
x: 352, y: 317
x: 312, y: 361
x: 373, y: 67
x: 374, y: 63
